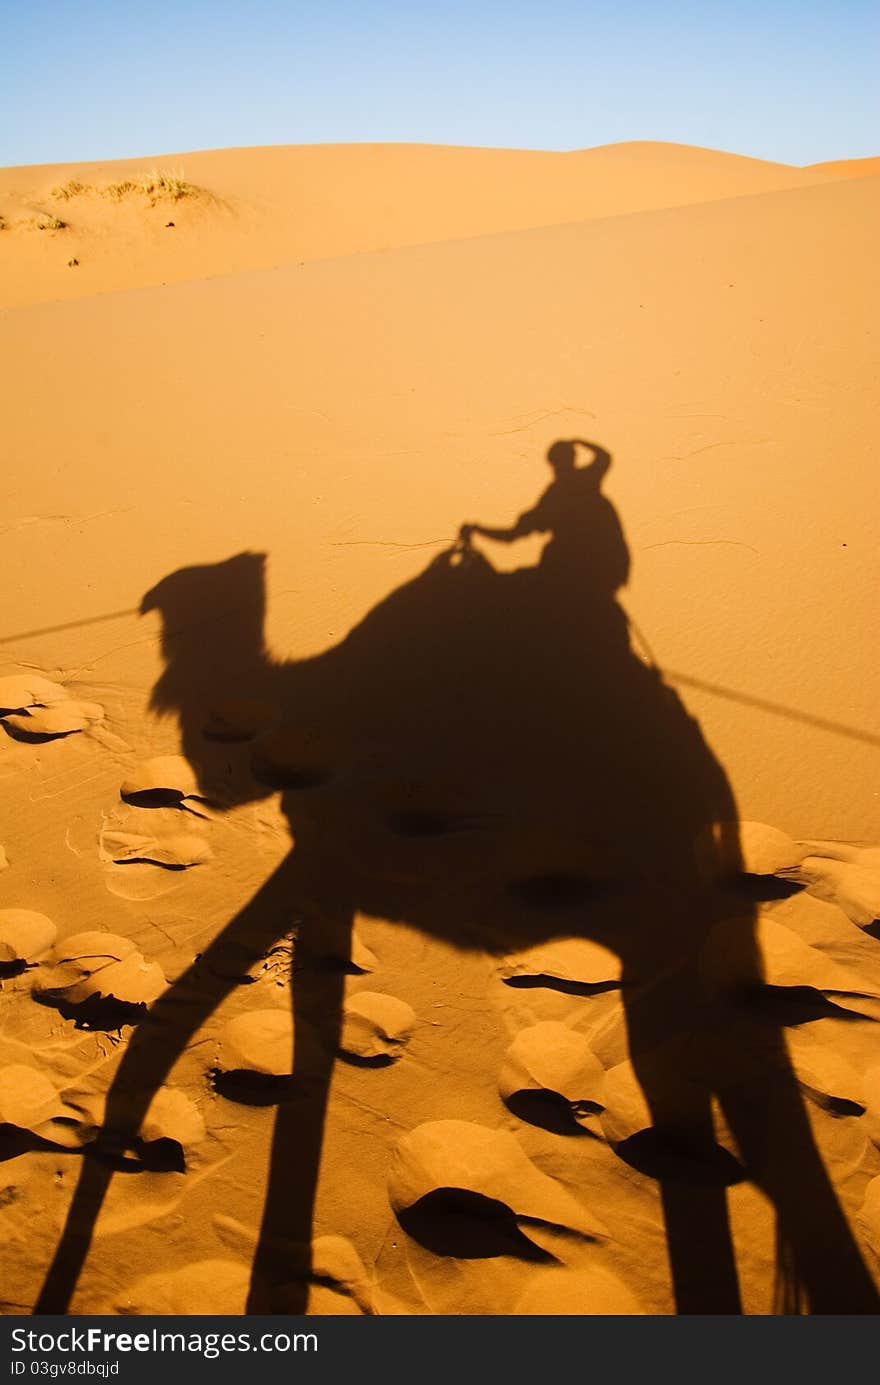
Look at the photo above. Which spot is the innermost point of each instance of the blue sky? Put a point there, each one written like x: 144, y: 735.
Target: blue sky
x: 94, y: 79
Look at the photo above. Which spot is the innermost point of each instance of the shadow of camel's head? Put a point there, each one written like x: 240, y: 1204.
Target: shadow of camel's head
x: 232, y: 592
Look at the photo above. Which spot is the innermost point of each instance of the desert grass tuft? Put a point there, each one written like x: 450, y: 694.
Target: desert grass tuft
x: 74, y: 188
x: 168, y: 187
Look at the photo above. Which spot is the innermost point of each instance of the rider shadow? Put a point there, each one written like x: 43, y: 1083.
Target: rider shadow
x: 485, y: 758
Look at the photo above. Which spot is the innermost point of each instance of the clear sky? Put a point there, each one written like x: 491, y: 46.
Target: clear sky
x: 792, y: 80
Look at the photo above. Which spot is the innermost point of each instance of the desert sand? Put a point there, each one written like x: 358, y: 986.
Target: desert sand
x: 581, y: 852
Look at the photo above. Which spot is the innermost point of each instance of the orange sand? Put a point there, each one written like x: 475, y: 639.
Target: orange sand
x: 335, y: 356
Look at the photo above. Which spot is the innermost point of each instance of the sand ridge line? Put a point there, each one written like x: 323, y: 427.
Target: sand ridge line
x: 301, y: 262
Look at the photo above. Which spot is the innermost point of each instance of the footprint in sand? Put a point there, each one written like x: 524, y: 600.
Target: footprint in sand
x: 260, y: 1041
x: 71, y: 1119
x: 145, y: 852
x: 765, y: 850
x: 335, y: 950
x: 462, y: 1189
x: 342, y: 1284
x: 99, y: 980
x: 166, y: 781
x: 375, y: 1028
x: 53, y: 723
x: 25, y: 937
x: 844, y: 875
x: 171, y: 850
x: 838, y: 873
x: 824, y: 1074
x: 792, y: 969
x: 254, y: 1061
x: 552, y: 1078
x: 35, y: 709
x: 20, y: 692
x: 575, y: 965
x: 673, y: 1151
x: 166, y: 1140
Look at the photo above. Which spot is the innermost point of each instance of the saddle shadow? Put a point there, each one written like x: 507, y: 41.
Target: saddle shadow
x: 485, y: 758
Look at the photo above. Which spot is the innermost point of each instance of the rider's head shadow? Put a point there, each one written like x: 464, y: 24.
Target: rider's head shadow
x: 561, y: 456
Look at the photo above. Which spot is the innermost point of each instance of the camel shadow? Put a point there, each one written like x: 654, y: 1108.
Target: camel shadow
x: 485, y: 758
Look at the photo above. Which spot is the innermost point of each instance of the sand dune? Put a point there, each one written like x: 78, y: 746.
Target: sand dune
x: 437, y: 318
x: 847, y: 168
x: 259, y: 208
x: 386, y: 397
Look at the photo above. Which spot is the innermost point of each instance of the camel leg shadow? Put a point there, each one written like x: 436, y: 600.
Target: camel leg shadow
x: 282, y: 1265
x: 820, y: 1268
x: 155, y: 1047
x: 695, y: 1215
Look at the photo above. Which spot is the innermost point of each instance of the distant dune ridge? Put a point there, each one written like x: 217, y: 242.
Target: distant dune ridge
x: 264, y: 207
x: 847, y: 168
x: 334, y: 355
